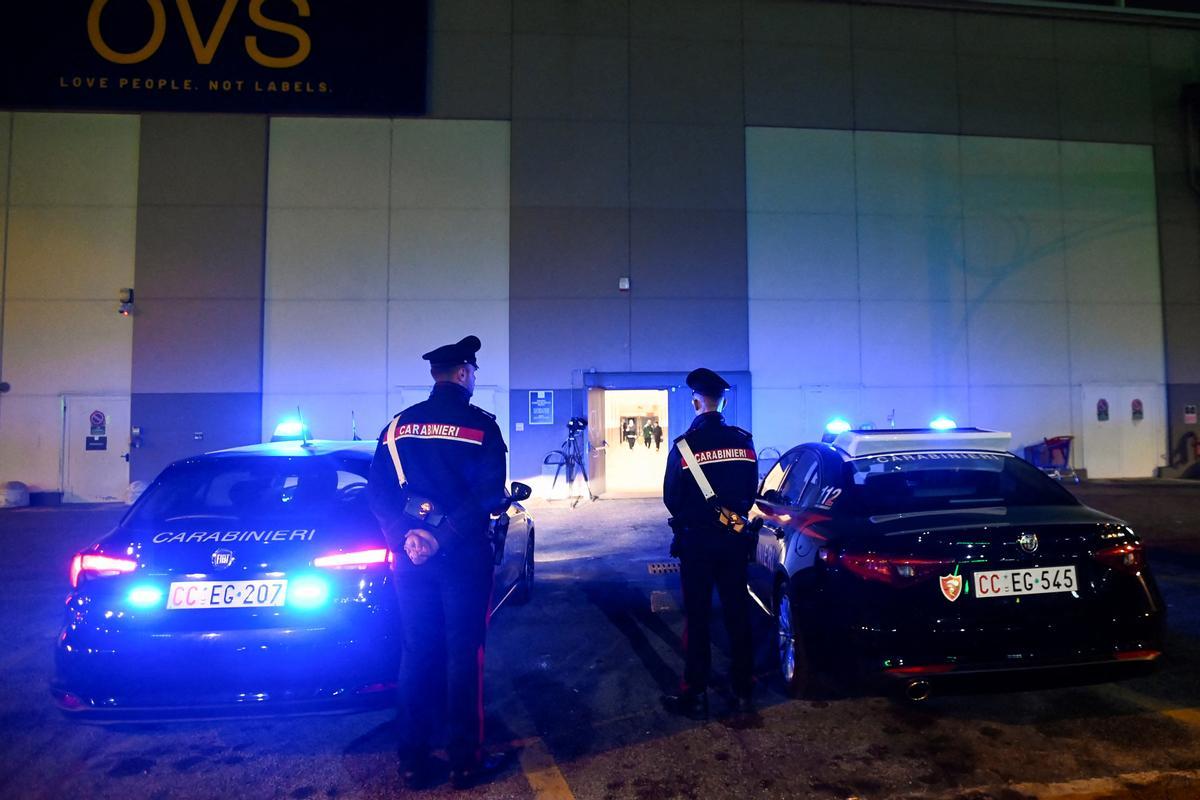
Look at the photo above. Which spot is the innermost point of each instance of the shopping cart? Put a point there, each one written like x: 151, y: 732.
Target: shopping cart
x: 1053, y: 457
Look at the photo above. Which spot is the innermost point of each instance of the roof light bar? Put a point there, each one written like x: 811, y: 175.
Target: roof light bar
x: 877, y: 442
x: 837, y: 425
x: 290, y: 430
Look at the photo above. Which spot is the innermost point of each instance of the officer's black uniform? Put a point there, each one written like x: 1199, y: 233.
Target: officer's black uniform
x: 709, y: 554
x: 452, y: 454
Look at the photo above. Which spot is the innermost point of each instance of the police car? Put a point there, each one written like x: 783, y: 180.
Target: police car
x: 924, y: 555
x: 250, y: 579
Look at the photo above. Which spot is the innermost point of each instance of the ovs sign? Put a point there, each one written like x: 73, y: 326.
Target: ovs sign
x: 204, y: 46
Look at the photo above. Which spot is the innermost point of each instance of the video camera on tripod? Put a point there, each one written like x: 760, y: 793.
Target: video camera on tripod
x: 571, y: 457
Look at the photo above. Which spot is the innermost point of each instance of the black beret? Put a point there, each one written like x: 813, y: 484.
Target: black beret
x: 706, y: 382
x: 451, y: 355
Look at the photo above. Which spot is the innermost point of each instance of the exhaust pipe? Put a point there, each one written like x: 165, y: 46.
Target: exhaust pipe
x: 917, y: 690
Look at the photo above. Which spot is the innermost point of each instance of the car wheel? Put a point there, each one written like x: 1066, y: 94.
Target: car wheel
x: 524, y: 591
x: 793, y: 655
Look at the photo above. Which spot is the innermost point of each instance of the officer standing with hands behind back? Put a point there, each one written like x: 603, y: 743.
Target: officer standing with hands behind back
x: 711, y: 478
x: 437, y: 474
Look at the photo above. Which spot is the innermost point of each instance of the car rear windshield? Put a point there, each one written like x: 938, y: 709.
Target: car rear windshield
x: 902, y: 483
x: 247, y: 488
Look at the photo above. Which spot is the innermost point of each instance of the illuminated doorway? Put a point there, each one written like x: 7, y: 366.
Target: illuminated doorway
x: 635, y: 429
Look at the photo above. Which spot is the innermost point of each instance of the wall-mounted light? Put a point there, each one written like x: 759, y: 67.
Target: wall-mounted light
x: 125, y: 298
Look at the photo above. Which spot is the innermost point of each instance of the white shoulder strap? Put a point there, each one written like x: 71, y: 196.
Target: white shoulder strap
x: 391, y: 446
x: 689, y: 458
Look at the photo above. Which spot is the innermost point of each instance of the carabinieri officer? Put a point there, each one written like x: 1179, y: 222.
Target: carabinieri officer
x: 710, y: 554
x: 437, y: 474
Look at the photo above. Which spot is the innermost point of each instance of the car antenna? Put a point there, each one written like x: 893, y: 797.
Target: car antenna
x: 303, y: 428
x: 354, y: 427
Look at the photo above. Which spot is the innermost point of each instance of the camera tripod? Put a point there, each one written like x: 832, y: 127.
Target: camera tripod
x: 570, y: 458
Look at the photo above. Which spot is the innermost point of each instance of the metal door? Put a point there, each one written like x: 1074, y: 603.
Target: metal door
x: 95, y: 448
x: 1123, y: 446
x: 597, y: 447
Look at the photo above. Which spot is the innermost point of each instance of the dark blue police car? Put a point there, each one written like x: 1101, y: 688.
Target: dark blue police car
x: 247, y: 580
x: 927, y: 555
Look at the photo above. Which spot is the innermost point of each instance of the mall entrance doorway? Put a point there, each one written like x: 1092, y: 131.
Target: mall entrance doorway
x: 635, y: 425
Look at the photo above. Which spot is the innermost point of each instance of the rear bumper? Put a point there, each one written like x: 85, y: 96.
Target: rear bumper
x: 1119, y: 646
x: 225, y: 673
x: 95, y: 709
x: 1131, y: 662
x: 918, y: 684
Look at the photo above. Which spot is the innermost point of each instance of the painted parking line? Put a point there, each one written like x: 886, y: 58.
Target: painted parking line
x: 1131, y: 785
x: 542, y: 773
x: 1188, y: 716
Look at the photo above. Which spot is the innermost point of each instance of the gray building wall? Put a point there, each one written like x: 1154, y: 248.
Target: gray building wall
x: 197, y: 336
x: 628, y: 151
x: 628, y: 158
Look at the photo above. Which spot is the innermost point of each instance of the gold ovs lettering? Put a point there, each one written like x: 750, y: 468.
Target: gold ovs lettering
x: 204, y: 49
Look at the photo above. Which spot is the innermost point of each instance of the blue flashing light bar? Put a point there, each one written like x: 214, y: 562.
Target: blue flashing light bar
x: 307, y: 591
x: 289, y: 430
x: 943, y: 424
x: 837, y: 425
x: 145, y: 596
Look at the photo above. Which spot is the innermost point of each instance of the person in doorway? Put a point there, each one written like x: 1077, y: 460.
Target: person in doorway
x: 437, y: 474
x: 647, y: 433
x: 712, y: 465
x: 657, y: 432
x: 631, y: 432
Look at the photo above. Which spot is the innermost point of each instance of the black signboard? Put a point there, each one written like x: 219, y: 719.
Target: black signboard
x: 255, y: 56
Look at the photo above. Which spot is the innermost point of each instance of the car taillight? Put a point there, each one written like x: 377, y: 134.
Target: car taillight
x: 893, y: 570
x: 97, y: 565
x: 1129, y: 557
x: 358, y: 558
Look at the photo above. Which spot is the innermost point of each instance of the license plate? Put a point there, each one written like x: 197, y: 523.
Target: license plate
x: 226, y: 594
x: 1012, y: 582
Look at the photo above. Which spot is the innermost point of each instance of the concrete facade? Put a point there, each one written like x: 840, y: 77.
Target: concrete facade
x: 289, y: 261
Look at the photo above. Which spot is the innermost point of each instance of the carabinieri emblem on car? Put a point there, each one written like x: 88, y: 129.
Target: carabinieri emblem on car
x: 951, y: 585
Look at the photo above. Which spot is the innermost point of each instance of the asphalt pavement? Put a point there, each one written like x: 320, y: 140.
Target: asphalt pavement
x: 572, y: 688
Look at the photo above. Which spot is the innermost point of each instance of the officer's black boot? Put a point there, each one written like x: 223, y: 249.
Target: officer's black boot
x: 742, y: 704
x: 417, y: 772
x: 490, y: 765
x: 693, y: 705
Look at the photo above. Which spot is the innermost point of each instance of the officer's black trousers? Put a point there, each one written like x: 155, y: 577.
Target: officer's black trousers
x: 708, y: 559
x: 443, y: 622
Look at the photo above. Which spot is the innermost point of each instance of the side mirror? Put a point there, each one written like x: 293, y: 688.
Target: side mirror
x: 520, y: 491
